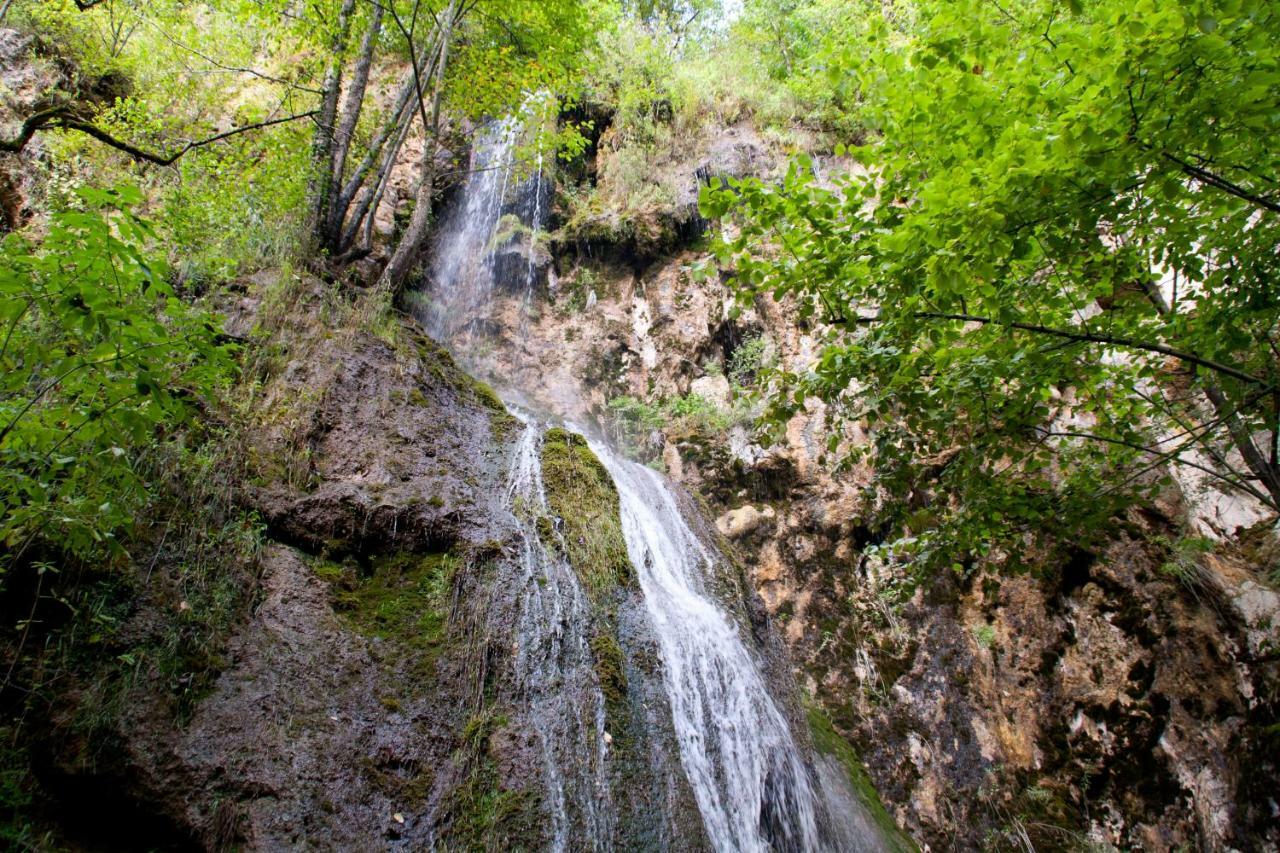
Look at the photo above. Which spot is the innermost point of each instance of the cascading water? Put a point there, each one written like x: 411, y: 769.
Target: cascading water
x: 554, y: 663
x: 755, y: 788
x: 747, y: 774
x: 494, y: 205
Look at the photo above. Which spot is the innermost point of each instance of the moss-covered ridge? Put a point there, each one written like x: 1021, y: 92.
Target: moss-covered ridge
x: 587, y: 523
x: 827, y: 741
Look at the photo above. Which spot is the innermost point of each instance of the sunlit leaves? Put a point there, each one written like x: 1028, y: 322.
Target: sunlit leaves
x: 1034, y: 163
x: 98, y: 355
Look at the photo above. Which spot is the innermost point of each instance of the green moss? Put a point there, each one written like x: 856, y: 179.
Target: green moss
x: 327, y: 571
x: 485, y: 394
x: 829, y: 742
x: 405, y: 600
x: 440, y: 364
x: 482, y: 813
x: 610, y: 669
x: 418, y: 398
x: 582, y: 495
x: 487, y: 816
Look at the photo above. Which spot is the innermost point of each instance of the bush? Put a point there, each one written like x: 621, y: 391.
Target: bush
x: 99, y: 359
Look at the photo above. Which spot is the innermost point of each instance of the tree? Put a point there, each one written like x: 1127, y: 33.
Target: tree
x: 1054, y: 273
x: 82, y: 113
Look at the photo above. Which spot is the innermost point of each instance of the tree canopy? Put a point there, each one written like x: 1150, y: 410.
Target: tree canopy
x: 1051, y: 271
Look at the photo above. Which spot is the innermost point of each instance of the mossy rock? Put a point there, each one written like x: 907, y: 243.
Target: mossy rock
x: 610, y: 669
x: 483, y: 812
x: 828, y: 741
x: 582, y: 495
x: 403, y: 600
x: 441, y: 365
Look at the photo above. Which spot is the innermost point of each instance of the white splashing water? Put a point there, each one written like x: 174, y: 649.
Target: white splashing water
x: 746, y: 771
x: 554, y: 666
x: 495, y: 199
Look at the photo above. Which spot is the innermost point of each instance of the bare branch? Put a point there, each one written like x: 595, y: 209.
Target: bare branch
x: 60, y: 119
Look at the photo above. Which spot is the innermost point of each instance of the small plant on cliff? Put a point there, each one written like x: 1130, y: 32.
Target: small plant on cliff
x: 747, y: 362
x: 1186, y: 563
x: 99, y: 359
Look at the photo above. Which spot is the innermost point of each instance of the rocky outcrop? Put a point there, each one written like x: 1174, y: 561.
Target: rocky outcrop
x: 367, y: 697
x: 384, y: 677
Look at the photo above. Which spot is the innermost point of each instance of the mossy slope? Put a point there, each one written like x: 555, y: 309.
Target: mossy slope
x: 828, y: 741
x: 584, y: 501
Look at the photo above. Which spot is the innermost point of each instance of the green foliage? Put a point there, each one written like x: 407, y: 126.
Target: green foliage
x: 16, y: 796
x: 793, y: 47
x: 1037, y: 168
x: 632, y: 420
x: 1186, y: 563
x: 582, y: 497
x: 748, y: 361
x: 99, y: 359
x: 237, y: 209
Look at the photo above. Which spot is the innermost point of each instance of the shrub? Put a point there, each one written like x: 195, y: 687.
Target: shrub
x: 98, y: 359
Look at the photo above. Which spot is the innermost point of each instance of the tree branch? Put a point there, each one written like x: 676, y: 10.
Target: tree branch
x: 59, y: 119
x: 1219, y: 182
x: 1174, y: 456
x: 1082, y: 336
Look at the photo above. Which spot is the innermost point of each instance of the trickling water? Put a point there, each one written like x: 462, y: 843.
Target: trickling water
x: 554, y: 665
x: 755, y: 788
x: 746, y: 771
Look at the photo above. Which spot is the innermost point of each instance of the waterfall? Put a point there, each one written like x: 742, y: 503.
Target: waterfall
x: 756, y: 789
x: 496, y: 205
x: 736, y: 747
x: 554, y: 664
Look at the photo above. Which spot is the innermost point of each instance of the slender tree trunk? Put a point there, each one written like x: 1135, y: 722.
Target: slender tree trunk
x: 351, y: 107
x: 397, y: 269
x: 366, y: 208
x: 395, y: 128
x: 1267, y: 473
x: 322, y: 147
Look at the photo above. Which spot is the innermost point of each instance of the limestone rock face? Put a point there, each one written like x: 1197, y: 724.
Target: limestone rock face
x: 740, y: 522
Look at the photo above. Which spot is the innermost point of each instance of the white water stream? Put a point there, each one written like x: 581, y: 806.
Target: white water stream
x: 755, y: 788
x: 554, y: 663
x: 746, y: 772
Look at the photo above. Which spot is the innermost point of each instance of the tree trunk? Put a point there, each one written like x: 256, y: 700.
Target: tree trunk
x: 351, y: 107
x: 395, y: 127
x: 322, y: 147
x: 397, y: 269
x: 367, y: 206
